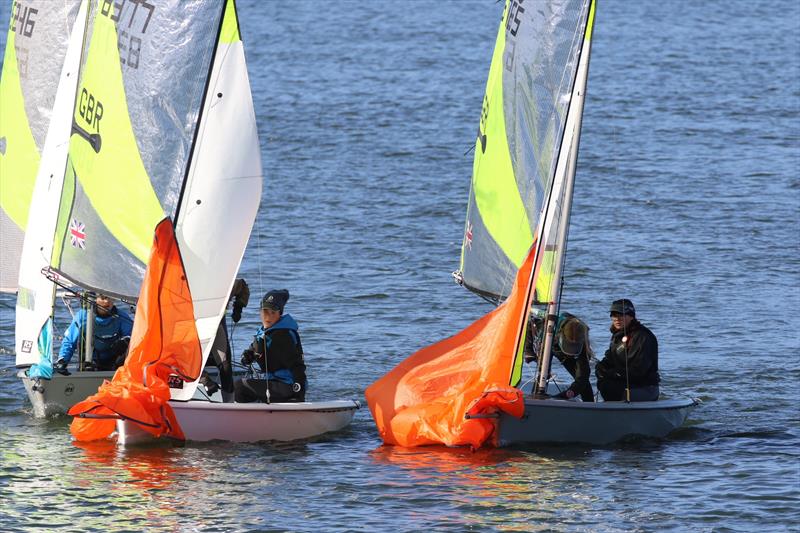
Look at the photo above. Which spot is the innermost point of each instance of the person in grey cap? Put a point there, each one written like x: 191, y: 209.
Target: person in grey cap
x: 571, y: 346
x: 629, y: 369
x: 277, y: 350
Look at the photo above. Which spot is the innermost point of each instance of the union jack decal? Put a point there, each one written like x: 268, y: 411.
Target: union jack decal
x: 468, y: 236
x: 77, y: 234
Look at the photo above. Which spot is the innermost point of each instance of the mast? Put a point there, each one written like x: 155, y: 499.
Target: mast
x: 36, y: 293
x: 575, y: 120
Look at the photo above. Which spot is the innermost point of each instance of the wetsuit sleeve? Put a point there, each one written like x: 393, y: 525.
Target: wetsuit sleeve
x: 605, y: 369
x: 582, y: 373
x: 71, y: 338
x: 125, y: 325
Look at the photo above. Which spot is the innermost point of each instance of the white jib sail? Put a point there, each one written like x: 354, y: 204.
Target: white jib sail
x: 36, y: 294
x: 222, y: 195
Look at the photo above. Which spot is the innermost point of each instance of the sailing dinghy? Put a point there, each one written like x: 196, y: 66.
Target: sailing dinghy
x: 463, y: 391
x: 37, y: 95
x: 205, y: 175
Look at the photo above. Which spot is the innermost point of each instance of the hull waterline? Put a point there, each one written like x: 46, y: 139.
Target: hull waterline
x: 560, y: 421
x: 250, y: 422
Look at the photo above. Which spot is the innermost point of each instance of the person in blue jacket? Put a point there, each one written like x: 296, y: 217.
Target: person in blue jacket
x: 278, y: 351
x: 112, y: 331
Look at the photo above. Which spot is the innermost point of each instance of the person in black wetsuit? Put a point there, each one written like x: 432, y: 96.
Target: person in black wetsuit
x: 277, y: 350
x: 629, y: 369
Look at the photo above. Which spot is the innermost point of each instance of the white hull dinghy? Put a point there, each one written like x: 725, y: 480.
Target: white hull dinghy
x: 250, y: 422
x: 197, y: 249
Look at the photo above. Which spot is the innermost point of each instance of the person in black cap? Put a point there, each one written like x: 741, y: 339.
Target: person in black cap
x: 629, y: 369
x: 278, y: 351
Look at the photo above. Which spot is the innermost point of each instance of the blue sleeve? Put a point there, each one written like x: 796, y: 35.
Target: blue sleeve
x: 125, y: 324
x: 71, y: 337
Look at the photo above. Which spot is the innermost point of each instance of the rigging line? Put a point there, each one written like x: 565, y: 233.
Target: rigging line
x: 260, y: 271
x: 615, y: 159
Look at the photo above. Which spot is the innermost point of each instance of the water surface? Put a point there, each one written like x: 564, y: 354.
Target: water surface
x: 687, y: 201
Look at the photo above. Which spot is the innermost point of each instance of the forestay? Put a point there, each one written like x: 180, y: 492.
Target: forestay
x: 520, y: 136
x: 35, y: 49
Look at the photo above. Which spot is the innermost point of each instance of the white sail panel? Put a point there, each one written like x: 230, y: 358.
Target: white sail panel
x: 223, y: 191
x: 38, y: 34
x: 36, y: 292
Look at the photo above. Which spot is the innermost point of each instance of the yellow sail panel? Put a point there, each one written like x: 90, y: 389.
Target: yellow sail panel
x: 230, y: 24
x: 19, y: 155
x: 103, y: 147
x: 494, y: 185
x: 590, y: 22
x: 67, y: 197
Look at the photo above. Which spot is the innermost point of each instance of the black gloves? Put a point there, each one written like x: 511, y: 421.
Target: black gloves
x: 241, y: 295
x: 61, y: 367
x: 236, y: 315
x: 248, y: 356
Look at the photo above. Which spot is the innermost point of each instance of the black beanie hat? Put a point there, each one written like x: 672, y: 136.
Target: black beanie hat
x: 275, y: 300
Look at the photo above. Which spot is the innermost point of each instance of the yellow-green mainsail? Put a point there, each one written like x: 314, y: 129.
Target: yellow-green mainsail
x: 117, y: 165
x: 19, y: 156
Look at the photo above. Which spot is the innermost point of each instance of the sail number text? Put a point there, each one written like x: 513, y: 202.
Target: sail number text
x: 132, y: 18
x: 23, y: 19
x: 513, y: 17
x: 515, y: 10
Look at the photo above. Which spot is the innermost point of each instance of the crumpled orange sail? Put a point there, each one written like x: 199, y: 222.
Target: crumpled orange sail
x: 424, y: 399
x: 164, y: 342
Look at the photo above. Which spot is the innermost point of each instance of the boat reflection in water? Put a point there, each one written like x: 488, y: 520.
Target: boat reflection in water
x: 529, y: 487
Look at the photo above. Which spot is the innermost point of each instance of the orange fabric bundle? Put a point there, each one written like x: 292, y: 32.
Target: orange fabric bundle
x: 164, y: 342
x: 424, y: 399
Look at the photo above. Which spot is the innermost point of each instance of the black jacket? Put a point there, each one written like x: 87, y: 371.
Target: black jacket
x: 639, y: 346
x: 278, y: 350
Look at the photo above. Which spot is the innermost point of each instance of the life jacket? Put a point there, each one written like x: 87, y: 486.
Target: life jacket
x: 284, y: 361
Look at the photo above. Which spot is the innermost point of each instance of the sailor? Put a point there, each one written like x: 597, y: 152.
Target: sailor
x: 571, y: 346
x: 278, y: 351
x: 220, y: 355
x: 112, y: 332
x: 629, y: 369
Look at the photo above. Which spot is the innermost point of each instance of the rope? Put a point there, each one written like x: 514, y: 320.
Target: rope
x: 624, y: 327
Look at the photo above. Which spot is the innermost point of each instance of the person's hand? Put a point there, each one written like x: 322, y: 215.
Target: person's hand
x: 248, y: 356
x: 61, y: 367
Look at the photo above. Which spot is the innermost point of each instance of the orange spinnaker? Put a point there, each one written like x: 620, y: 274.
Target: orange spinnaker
x: 424, y: 399
x: 164, y: 342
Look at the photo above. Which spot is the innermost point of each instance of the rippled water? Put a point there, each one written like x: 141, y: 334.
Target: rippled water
x: 687, y: 201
